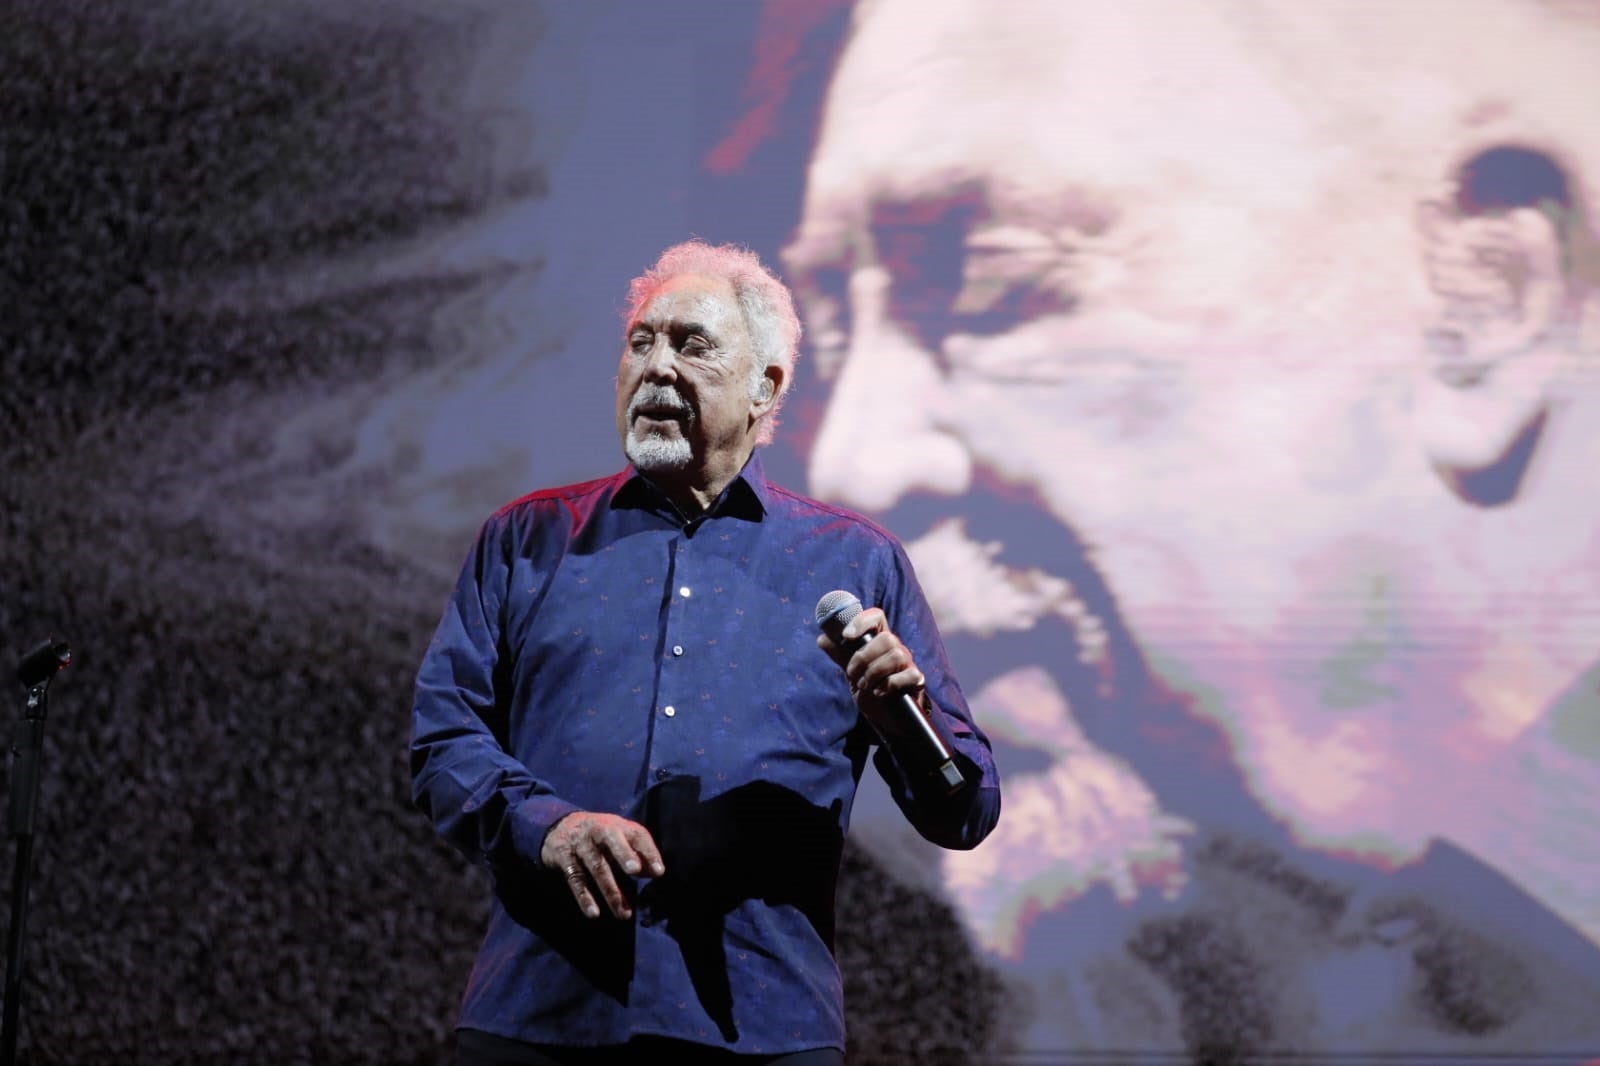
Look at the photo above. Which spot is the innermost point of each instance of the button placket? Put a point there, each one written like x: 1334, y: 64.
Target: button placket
x: 672, y: 743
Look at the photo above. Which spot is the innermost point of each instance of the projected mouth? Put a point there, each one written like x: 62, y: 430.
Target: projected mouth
x: 1007, y: 574
x: 977, y: 593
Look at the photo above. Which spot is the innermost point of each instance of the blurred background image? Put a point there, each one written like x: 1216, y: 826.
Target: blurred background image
x: 1231, y: 372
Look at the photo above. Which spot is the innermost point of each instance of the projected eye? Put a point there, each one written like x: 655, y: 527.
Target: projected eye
x: 1010, y: 279
x: 958, y: 273
x: 922, y: 246
x: 1012, y: 320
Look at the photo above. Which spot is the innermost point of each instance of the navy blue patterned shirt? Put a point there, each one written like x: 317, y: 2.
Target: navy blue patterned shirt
x: 601, y: 653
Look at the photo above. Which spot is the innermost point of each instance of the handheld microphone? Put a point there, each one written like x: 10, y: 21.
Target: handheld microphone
x: 923, y: 751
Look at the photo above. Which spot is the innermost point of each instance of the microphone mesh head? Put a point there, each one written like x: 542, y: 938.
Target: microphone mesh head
x: 835, y: 610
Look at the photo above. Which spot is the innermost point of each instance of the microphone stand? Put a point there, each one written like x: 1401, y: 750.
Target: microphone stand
x: 26, y: 748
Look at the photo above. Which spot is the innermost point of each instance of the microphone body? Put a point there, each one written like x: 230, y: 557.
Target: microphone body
x: 41, y: 664
x: 919, y: 749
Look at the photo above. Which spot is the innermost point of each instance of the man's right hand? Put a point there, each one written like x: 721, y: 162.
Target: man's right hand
x: 589, y: 848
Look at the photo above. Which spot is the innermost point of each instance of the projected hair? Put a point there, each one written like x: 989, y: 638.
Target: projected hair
x: 1507, y: 176
x: 765, y: 302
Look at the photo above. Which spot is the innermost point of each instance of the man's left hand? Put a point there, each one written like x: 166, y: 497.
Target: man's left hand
x: 879, y: 670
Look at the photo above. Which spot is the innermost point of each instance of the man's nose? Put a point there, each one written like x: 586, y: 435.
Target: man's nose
x: 661, y: 362
x: 882, y: 437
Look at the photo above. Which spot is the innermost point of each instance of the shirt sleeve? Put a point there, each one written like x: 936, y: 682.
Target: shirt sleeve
x: 960, y: 820
x: 478, y: 796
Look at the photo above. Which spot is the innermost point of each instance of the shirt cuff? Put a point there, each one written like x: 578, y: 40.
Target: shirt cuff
x: 532, y: 820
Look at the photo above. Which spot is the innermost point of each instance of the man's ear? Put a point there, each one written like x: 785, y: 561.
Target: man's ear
x: 771, y: 384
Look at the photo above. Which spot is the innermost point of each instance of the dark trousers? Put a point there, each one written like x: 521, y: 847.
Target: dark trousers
x: 474, y: 1048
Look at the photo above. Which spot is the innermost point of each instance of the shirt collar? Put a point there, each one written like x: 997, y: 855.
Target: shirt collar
x: 747, y: 496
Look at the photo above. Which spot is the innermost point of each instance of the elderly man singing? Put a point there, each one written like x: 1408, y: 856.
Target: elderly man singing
x: 628, y: 714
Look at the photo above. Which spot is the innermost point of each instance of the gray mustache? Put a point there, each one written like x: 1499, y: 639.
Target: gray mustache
x: 660, y: 397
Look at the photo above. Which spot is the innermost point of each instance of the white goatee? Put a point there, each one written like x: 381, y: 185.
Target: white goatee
x: 655, y: 451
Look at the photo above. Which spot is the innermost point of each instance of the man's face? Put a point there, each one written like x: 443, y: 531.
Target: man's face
x: 684, y: 397
x: 1155, y: 268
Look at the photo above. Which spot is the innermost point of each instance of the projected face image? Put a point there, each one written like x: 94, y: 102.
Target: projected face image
x: 1170, y: 295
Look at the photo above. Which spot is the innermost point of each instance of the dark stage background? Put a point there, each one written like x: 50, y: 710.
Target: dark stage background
x: 1227, y: 368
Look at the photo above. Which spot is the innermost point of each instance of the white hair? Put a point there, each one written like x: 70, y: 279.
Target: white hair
x: 764, y: 300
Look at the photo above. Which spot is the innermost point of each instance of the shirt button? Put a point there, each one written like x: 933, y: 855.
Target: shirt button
x: 677, y: 649
x: 684, y: 592
x: 669, y: 711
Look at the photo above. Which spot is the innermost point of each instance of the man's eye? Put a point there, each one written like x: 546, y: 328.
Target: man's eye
x: 640, y: 342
